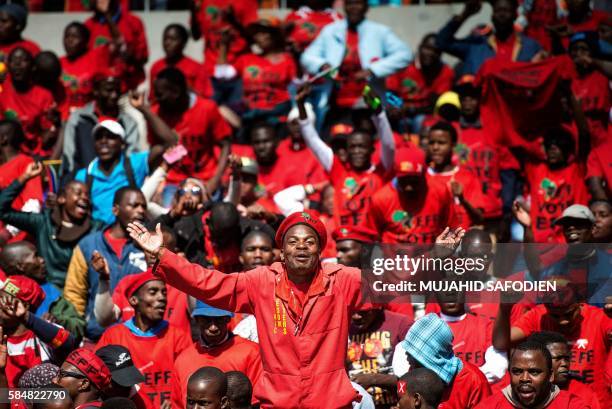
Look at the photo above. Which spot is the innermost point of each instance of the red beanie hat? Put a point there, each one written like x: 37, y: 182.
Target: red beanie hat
x: 357, y: 233
x: 306, y: 218
x: 92, y: 366
x: 138, y: 280
x: 24, y: 289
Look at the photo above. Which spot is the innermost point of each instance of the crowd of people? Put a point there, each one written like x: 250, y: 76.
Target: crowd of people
x: 193, y: 235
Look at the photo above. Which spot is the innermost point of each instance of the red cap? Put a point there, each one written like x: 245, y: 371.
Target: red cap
x: 357, y: 233
x: 24, y: 289
x: 135, y: 281
x: 306, y: 218
x: 409, y: 161
x: 92, y: 366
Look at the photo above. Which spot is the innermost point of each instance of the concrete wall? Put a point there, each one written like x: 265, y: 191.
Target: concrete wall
x: 409, y: 23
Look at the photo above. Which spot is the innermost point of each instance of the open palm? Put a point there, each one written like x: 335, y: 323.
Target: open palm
x: 151, y: 242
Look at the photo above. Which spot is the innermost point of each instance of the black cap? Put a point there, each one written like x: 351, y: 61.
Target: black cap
x: 119, y: 361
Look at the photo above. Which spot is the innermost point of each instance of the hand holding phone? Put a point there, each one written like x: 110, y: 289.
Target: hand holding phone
x: 175, y: 154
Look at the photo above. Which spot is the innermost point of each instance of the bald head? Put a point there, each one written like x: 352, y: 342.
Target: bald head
x: 476, y: 242
x: 13, y: 255
x: 207, y: 387
x: 239, y: 390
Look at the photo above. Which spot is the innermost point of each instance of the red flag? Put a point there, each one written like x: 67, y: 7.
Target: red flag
x: 520, y: 100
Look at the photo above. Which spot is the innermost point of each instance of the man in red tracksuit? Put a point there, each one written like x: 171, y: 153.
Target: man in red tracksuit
x: 302, y: 307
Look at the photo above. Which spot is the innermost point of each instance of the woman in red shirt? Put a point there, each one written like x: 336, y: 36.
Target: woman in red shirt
x: 265, y: 75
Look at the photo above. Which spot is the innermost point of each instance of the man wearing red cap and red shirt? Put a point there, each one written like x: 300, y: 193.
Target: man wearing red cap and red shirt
x: 302, y: 309
x: 412, y: 208
x: 85, y: 376
x: 31, y: 340
x: 153, y: 343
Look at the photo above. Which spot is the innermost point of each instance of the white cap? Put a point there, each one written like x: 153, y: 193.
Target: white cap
x: 112, y: 126
x: 576, y: 211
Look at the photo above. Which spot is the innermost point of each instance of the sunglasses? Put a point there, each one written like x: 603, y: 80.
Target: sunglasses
x: 194, y: 191
x: 67, y: 374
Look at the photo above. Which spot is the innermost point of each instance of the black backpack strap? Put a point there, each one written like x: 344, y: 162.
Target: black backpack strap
x: 88, y: 179
x: 129, y: 172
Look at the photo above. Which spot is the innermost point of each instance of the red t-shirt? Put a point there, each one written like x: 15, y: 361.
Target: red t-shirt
x: 5, y: 49
x: 212, y: 24
x: 133, y: 33
x: 467, y: 389
x: 372, y: 350
x: 116, y: 244
x: 31, y: 109
x: 564, y: 400
x: 593, y: 92
x: 590, y: 343
x: 197, y: 78
x: 404, y: 221
x: 472, y: 335
x: 472, y: 192
x: 271, y: 179
x: 599, y: 164
x: 486, y: 310
x: 551, y: 192
x: 583, y: 392
x: 265, y: 80
x: 350, y: 89
x: 154, y: 356
x: 506, y: 49
x: 307, y: 24
x: 78, y: 75
x: 302, y: 166
x: 199, y: 129
x: 353, y: 191
x: 236, y: 354
x: 482, y: 159
x: 415, y: 89
x: 177, y: 313
x: 24, y: 352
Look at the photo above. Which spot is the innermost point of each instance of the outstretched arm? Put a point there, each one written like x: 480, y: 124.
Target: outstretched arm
x: 226, y: 291
x: 323, y: 153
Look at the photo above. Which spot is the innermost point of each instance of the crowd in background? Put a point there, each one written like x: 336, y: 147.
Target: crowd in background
x: 329, y: 116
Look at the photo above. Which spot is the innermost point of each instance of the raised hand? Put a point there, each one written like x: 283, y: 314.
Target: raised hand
x: 456, y: 188
x: 33, y: 170
x: 100, y: 265
x: 302, y: 93
x: 14, y: 308
x: 150, y: 242
x: 137, y: 100
x: 450, y: 238
x: 521, y: 214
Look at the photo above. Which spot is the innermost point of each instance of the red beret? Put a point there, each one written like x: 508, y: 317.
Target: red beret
x: 92, y: 366
x: 306, y: 218
x: 24, y: 289
x: 409, y: 161
x: 357, y: 233
x: 135, y: 281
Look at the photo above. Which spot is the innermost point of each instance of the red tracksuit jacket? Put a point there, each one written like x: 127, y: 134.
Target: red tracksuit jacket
x: 302, y: 349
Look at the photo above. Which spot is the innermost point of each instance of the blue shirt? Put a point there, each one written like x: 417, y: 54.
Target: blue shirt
x: 104, y: 187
